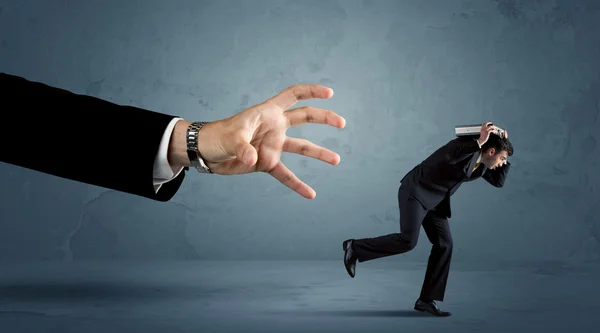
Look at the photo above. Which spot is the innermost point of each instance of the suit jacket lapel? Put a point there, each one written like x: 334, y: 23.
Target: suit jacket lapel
x: 471, y: 164
x: 484, y: 169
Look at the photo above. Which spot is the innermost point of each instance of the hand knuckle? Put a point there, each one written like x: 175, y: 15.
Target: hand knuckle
x: 305, y: 149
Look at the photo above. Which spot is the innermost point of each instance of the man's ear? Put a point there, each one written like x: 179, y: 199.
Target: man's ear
x: 492, y: 151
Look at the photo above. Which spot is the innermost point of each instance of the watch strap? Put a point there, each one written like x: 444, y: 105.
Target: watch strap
x: 192, y: 147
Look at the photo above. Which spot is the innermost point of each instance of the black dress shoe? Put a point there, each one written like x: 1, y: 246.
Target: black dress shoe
x: 431, y: 307
x: 349, y: 258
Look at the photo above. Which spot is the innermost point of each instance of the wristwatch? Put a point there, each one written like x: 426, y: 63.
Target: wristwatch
x: 192, y: 147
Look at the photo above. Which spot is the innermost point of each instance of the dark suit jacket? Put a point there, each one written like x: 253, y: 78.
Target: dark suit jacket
x: 436, y: 179
x: 82, y: 138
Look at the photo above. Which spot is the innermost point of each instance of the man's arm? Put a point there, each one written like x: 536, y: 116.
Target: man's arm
x: 461, y: 148
x: 85, y: 139
x: 497, y: 176
x: 115, y: 146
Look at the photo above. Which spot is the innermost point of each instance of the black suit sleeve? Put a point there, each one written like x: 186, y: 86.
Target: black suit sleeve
x: 81, y: 138
x: 497, y: 176
x: 460, y: 149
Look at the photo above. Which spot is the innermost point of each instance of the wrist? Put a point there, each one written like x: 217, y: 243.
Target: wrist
x: 177, y: 154
x: 480, y: 142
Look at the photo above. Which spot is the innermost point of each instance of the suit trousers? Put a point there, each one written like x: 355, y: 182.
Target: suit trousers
x: 412, y: 215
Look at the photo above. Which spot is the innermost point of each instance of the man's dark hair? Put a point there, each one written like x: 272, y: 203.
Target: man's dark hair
x: 498, y: 143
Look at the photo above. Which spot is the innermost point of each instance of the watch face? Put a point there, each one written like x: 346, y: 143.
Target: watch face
x: 198, y: 162
x: 202, y: 169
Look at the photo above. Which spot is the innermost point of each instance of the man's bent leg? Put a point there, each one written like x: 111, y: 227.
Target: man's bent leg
x: 412, y: 213
x: 437, y: 229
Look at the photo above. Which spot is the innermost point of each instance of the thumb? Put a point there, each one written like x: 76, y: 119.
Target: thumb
x: 246, y: 153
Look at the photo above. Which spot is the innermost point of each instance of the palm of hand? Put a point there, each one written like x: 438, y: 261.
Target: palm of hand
x: 267, y: 139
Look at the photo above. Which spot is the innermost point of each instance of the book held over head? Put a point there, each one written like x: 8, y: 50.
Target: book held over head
x: 473, y: 130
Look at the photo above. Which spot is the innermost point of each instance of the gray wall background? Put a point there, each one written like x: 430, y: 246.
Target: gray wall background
x: 404, y: 73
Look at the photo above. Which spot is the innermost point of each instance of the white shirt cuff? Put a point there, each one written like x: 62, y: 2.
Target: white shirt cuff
x: 163, y: 171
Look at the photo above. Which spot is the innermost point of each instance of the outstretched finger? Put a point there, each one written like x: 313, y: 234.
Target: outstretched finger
x: 309, y: 114
x: 289, y: 179
x: 291, y: 95
x: 307, y: 148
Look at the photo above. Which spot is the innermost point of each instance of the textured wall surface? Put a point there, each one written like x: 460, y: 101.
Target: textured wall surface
x: 404, y: 73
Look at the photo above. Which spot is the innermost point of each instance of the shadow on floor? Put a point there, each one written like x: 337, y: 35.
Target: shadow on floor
x: 93, y: 291
x: 362, y: 313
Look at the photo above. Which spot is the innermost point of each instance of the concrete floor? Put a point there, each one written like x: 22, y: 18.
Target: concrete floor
x: 292, y: 297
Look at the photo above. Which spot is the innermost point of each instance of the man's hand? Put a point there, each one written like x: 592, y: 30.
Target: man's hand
x: 253, y: 140
x: 484, y: 134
